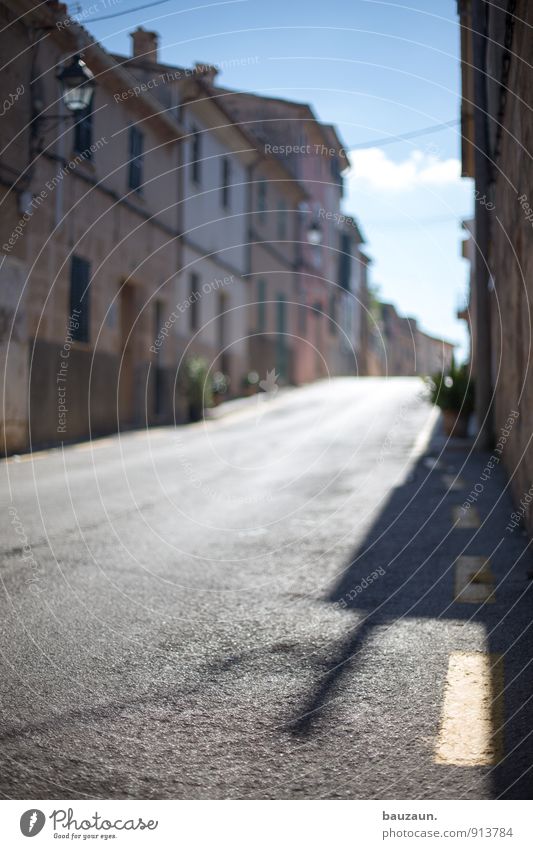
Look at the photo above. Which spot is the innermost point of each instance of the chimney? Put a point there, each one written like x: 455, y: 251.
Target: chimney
x: 145, y: 45
x: 206, y: 72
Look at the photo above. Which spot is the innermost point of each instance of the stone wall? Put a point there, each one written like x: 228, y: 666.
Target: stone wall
x: 511, y: 264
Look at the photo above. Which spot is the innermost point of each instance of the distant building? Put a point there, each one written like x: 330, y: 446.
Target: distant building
x: 315, y: 157
x: 408, y: 351
x: 350, y: 299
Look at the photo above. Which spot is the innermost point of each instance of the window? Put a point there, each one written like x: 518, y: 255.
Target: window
x: 83, y: 133
x: 261, y: 199
x: 79, y: 298
x: 158, y: 320
x: 226, y: 174
x: 261, y: 305
x: 135, y: 177
x: 282, y: 219
x: 196, y: 155
x: 332, y: 313
x: 225, y: 357
x: 158, y: 373
x: 281, y: 341
x: 302, y: 319
x: 345, y: 261
x: 193, y: 300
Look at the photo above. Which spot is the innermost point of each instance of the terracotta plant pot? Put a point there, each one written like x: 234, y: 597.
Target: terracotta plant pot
x: 455, y: 424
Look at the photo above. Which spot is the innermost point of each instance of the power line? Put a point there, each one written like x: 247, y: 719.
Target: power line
x: 128, y: 11
x: 433, y: 128
x: 158, y: 3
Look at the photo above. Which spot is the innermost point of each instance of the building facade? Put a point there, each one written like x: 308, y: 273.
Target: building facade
x: 173, y: 219
x: 89, y: 241
x: 314, y: 156
x: 497, y: 132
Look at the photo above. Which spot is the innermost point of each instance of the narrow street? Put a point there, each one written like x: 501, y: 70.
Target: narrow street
x: 261, y: 606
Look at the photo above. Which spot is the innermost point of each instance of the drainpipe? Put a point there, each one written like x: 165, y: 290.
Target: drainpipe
x: 482, y: 275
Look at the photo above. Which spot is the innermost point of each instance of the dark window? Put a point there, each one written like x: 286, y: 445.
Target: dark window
x: 226, y: 175
x: 79, y: 298
x: 282, y: 220
x: 261, y: 199
x: 281, y: 342
x: 135, y: 177
x: 196, y: 154
x: 261, y: 305
x: 193, y: 300
x: 158, y: 319
x: 345, y: 261
x: 224, y: 361
x: 158, y: 373
x: 83, y: 133
x: 333, y: 312
x: 302, y: 318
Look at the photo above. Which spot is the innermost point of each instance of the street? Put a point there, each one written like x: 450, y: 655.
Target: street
x: 259, y: 606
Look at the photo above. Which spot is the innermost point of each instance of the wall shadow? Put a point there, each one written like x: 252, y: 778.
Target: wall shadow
x: 404, y: 568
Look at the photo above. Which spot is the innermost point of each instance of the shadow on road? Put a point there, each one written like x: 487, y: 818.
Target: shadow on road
x: 404, y: 569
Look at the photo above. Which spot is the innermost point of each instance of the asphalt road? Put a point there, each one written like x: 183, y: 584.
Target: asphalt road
x: 191, y: 612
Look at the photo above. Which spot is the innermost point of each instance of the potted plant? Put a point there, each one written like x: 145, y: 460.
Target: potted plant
x: 197, y: 387
x: 221, y: 383
x: 250, y: 383
x: 454, y: 394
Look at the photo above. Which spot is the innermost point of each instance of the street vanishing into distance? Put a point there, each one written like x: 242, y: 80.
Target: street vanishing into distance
x: 264, y: 605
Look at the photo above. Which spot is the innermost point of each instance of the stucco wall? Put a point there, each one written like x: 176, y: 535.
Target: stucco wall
x: 511, y: 263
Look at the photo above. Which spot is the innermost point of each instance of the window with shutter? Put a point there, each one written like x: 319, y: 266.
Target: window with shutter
x: 80, y: 298
x: 226, y: 172
x: 196, y: 154
x: 136, y: 142
x: 83, y: 133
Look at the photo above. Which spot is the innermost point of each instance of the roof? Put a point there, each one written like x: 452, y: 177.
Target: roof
x: 246, y: 105
x: 190, y: 76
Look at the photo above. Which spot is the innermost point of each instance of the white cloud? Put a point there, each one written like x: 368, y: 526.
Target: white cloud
x: 372, y: 168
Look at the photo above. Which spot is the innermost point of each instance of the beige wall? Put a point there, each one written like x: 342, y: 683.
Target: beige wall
x: 86, y: 209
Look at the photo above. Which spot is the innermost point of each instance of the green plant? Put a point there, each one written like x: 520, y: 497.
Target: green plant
x: 251, y: 379
x: 453, y: 391
x: 197, y: 384
x: 221, y: 383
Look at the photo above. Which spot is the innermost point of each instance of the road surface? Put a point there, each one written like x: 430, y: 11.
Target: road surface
x: 261, y: 606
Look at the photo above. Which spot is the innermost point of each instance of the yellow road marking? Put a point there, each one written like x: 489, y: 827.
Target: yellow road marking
x: 472, y: 713
x: 474, y: 581
x: 452, y: 483
x: 465, y: 518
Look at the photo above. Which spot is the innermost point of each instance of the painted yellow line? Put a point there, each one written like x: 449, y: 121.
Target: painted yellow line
x: 465, y: 518
x: 474, y: 581
x: 472, y: 713
x: 452, y: 483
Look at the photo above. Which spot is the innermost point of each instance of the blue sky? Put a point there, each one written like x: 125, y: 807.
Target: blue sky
x: 374, y: 69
